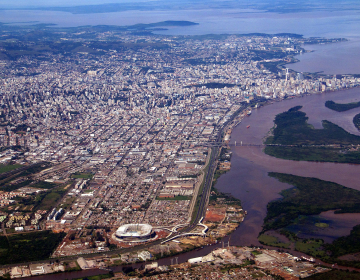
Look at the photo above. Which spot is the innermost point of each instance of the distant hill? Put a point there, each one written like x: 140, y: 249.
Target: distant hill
x: 280, y: 6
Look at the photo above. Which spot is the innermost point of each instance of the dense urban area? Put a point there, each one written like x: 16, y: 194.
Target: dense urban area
x: 107, y: 133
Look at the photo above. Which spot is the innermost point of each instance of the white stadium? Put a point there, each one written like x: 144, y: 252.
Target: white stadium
x: 134, y: 233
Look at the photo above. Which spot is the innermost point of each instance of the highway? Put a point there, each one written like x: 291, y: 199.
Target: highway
x: 204, y: 197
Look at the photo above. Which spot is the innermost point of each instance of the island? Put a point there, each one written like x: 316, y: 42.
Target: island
x: 296, y: 213
x: 356, y: 121
x: 293, y: 138
x: 341, y: 107
x: 111, y: 140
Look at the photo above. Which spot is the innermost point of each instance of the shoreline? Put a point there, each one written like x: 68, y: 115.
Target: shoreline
x: 234, y: 124
x: 317, y: 93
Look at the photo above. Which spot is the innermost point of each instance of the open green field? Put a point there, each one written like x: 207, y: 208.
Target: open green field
x: 6, y: 181
x: 28, y: 246
x: 44, y: 185
x: 12, y: 187
x: 49, y: 200
x: 311, y: 247
x: 322, y: 225
x: 42, y: 201
x: 78, y: 175
x: 339, y: 107
x: 6, y: 168
x: 293, y: 138
x: 272, y: 241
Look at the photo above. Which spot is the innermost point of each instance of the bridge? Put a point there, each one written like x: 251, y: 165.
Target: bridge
x: 220, y: 144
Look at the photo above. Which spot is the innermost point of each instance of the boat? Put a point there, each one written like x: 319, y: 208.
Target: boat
x: 248, y: 126
x: 308, y: 259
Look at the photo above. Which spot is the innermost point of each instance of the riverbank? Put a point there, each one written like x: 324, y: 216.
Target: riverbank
x: 245, y: 121
x: 248, y: 178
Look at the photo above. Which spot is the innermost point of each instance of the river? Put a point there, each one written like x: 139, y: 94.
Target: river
x: 337, y: 58
x: 248, y: 179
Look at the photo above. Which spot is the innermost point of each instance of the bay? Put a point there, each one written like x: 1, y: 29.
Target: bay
x: 336, y: 58
x: 211, y: 21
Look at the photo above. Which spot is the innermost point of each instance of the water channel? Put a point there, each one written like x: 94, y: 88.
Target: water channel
x: 248, y: 179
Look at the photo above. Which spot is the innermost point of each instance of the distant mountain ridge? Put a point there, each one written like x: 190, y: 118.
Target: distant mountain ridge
x: 279, y: 6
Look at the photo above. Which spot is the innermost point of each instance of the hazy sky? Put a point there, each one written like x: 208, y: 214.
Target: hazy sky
x: 37, y: 3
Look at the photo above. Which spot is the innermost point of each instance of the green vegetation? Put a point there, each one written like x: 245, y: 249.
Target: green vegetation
x: 6, y: 168
x: 311, y: 247
x: 272, y: 241
x: 12, y: 187
x: 289, y: 234
x: 272, y: 54
x: 68, y: 202
x: 28, y: 246
x: 21, y: 128
x: 322, y: 225
x: 336, y: 275
x: 72, y: 266
x: 217, y: 175
x: 272, y: 66
x: 78, y: 175
x: 321, y: 154
x: 48, y: 201
x: 227, y: 198
x: 293, y: 138
x: 291, y: 128
x: 310, y: 196
x: 255, y: 253
x: 215, y: 195
x: 341, y: 107
x: 45, y: 200
x: 356, y: 121
x: 43, y: 185
x: 347, y: 244
x: 346, y: 247
x: 178, y: 197
x: 5, y: 181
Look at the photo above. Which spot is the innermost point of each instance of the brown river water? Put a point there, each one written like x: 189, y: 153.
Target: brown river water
x: 248, y: 179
